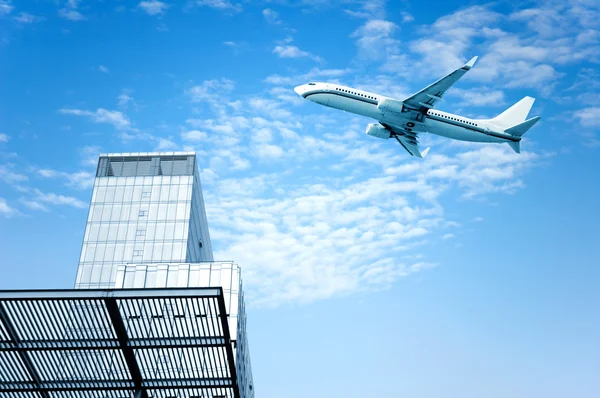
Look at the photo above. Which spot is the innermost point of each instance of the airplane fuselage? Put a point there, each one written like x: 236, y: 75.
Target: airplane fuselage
x: 433, y: 121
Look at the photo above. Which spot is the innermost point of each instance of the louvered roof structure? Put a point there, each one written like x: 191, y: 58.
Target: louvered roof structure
x: 126, y: 343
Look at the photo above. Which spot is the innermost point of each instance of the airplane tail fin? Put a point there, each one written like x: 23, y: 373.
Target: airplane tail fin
x: 514, y: 115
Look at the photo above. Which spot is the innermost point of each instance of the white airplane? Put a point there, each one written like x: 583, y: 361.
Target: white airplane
x: 405, y: 120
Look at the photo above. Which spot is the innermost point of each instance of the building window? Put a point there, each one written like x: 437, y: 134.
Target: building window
x: 143, y: 213
x: 145, y: 195
x: 200, y: 244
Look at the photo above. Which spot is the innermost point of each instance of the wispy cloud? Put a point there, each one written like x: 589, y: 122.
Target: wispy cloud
x: 194, y: 135
x: 589, y: 117
x: 9, y: 176
x: 224, y: 5
x: 153, y: 7
x: 69, y: 11
x: 406, y: 17
x: 26, y: 18
x: 271, y: 16
x: 77, y: 180
x: 290, y: 51
x: 33, y: 205
x: 5, y: 209
x: 236, y: 46
x: 4, y: 137
x: 89, y: 155
x: 116, y: 118
x: 5, y: 7
x: 375, y: 39
x: 58, y: 200
x: 103, y: 69
x: 480, y: 96
x: 210, y: 90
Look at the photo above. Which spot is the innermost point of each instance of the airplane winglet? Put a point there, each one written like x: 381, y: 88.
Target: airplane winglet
x: 469, y: 64
x: 425, y: 152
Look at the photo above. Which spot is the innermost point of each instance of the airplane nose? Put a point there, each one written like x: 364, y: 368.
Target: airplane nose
x: 299, y: 90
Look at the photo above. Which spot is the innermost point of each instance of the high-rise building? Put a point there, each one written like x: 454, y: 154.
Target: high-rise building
x: 152, y: 314
x: 145, y: 208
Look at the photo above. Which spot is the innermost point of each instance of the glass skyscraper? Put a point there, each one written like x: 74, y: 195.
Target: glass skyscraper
x: 147, y: 228
x: 145, y: 208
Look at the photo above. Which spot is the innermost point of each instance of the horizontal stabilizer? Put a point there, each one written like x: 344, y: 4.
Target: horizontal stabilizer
x: 515, y: 114
x: 521, y: 128
x: 516, y: 146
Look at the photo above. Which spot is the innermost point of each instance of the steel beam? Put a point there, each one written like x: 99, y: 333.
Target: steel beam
x: 116, y: 385
x: 90, y: 294
x: 12, y: 333
x: 228, y: 348
x: 121, y: 332
x: 112, y: 344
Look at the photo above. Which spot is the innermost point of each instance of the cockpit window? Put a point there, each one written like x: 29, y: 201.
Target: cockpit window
x: 311, y: 84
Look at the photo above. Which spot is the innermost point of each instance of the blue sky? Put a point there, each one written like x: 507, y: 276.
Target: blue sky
x: 471, y: 273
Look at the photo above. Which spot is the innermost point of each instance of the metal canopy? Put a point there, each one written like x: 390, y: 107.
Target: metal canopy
x: 126, y: 343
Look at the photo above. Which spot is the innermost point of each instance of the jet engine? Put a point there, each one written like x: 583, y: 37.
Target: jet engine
x: 377, y: 130
x: 390, y: 105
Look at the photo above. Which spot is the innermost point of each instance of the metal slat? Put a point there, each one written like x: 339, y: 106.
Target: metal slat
x: 84, y: 344
x: 22, y: 354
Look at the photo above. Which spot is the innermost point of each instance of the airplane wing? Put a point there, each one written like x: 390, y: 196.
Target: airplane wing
x: 431, y: 94
x: 409, y: 141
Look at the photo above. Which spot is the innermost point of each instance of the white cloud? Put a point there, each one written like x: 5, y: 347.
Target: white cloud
x: 223, y: 5
x: 89, y: 155
x: 165, y: 144
x: 10, y: 177
x: 77, y: 180
x: 211, y: 90
x: 289, y: 51
x: 153, y: 7
x: 370, y: 9
x: 5, y: 209
x: 480, y: 96
x: 34, y: 205
x: 375, y: 39
x: 314, y: 73
x: 26, y: 18
x: 103, y: 69
x: 406, y: 17
x: 59, y: 200
x: 5, y: 7
x: 269, y: 107
x: 124, y: 99
x: 71, y: 14
x: 589, y: 117
x: 194, y: 135
x: 116, y: 118
x: 4, y: 137
x: 271, y: 16
x: 268, y: 151
x: 448, y: 236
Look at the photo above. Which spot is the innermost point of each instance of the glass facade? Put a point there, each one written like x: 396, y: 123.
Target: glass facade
x: 147, y: 228
x: 223, y: 274
x: 145, y: 207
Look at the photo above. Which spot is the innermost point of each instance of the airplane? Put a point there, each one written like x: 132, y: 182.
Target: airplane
x: 405, y: 120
